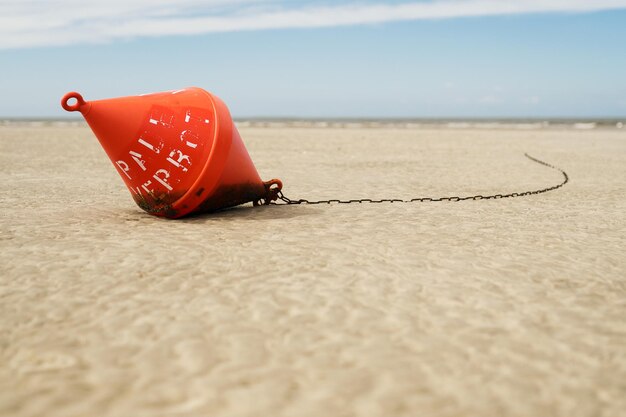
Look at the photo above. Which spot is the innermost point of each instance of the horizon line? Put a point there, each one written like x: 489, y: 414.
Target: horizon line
x: 362, y: 118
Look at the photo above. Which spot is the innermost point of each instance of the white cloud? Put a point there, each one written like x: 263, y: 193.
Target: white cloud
x: 30, y: 23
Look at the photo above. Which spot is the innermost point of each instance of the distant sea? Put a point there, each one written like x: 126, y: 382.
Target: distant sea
x: 348, y: 123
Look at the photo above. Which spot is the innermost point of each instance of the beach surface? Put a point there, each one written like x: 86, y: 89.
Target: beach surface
x: 509, y: 307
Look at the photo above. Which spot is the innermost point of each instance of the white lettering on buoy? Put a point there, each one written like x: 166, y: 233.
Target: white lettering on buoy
x: 137, y: 158
x: 145, y: 186
x: 161, y: 119
x: 188, y: 134
x: 178, y: 162
x: 136, y: 190
x: 163, y: 181
x: 188, y: 117
x: 147, y: 145
x: 155, y: 128
x: 123, y: 166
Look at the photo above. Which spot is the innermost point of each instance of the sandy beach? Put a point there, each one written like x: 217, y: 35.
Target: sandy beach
x: 510, y: 307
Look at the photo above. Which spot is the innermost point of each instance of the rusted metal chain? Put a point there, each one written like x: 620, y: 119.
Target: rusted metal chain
x: 286, y: 200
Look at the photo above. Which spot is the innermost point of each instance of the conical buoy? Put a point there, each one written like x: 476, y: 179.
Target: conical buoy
x: 178, y: 152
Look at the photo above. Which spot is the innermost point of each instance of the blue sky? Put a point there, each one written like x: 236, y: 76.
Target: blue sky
x: 448, y: 58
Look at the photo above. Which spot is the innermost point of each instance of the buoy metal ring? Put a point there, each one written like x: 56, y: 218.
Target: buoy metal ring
x: 72, y: 107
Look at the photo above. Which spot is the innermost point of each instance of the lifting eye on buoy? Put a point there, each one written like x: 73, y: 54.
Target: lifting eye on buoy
x: 67, y: 105
x: 178, y: 152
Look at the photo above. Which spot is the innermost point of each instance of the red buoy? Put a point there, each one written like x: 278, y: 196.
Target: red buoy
x: 178, y: 152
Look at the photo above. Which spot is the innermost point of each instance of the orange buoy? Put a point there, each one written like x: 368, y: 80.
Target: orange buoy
x: 178, y: 152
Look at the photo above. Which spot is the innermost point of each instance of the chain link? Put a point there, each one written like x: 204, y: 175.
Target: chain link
x: 286, y: 200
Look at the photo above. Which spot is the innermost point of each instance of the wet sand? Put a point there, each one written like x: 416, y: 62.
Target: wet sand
x: 509, y: 307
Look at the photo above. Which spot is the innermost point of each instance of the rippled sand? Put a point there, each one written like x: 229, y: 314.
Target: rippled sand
x: 480, y: 308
